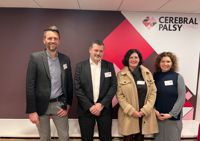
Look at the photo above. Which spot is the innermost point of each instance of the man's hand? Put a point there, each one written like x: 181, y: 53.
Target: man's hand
x: 96, y: 109
x: 62, y: 112
x: 34, y: 118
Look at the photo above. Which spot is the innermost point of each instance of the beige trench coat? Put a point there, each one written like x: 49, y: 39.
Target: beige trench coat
x: 128, y: 99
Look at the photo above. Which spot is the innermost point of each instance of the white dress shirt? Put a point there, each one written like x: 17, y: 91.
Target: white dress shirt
x: 95, y: 72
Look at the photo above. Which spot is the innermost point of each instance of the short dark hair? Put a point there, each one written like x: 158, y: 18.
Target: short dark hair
x: 98, y: 42
x: 166, y: 54
x: 52, y: 28
x: 125, y: 60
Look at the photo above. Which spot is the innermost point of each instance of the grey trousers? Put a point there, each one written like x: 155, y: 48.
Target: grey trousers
x: 61, y: 124
x: 169, y: 130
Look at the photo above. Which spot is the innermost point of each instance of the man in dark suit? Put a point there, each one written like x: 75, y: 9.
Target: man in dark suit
x: 95, y: 86
x: 49, y: 88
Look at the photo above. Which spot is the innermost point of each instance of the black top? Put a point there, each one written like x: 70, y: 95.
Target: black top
x: 141, y: 86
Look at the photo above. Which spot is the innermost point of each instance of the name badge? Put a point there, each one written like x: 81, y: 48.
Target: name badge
x: 64, y: 66
x: 168, y: 82
x: 107, y: 74
x: 139, y: 82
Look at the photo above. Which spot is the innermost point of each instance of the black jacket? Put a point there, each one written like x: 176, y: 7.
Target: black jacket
x: 38, y: 82
x: 83, y: 85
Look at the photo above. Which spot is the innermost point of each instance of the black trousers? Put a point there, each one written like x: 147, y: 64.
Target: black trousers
x: 104, y: 122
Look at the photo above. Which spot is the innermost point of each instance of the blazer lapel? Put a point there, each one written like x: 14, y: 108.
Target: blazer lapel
x: 45, y: 62
x: 89, y: 76
x: 102, y: 76
x: 62, y: 63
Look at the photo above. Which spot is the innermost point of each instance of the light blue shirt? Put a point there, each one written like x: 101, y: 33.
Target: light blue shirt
x: 55, y: 74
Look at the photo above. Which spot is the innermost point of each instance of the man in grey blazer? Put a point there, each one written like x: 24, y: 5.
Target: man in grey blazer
x: 49, y: 87
x: 95, y: 86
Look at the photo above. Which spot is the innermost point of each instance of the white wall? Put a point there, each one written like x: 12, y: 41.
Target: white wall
x: 197, y: 117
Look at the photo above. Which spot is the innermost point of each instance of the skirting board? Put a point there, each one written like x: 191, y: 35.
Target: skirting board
x: 24, y: 128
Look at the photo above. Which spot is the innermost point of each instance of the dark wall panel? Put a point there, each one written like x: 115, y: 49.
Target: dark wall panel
x: 21, y: 33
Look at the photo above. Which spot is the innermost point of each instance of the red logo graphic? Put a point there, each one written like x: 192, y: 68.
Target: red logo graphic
x: 149, y: 22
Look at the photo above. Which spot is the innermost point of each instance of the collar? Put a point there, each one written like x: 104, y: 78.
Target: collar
x: 49, y: 56
x: 92, y: 63
x: 125, y: 70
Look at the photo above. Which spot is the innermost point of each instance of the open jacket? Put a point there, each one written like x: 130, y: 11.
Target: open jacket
x: 128, y: 99
x: 38, y: 82
x: 84, y: 89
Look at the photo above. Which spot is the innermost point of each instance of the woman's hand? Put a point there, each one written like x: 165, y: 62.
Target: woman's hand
x: 164, y: 116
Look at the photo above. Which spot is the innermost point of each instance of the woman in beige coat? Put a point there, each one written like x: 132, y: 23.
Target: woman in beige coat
x: 136, y: 95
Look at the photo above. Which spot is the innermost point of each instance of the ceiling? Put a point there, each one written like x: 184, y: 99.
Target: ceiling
x: 176, y: 6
